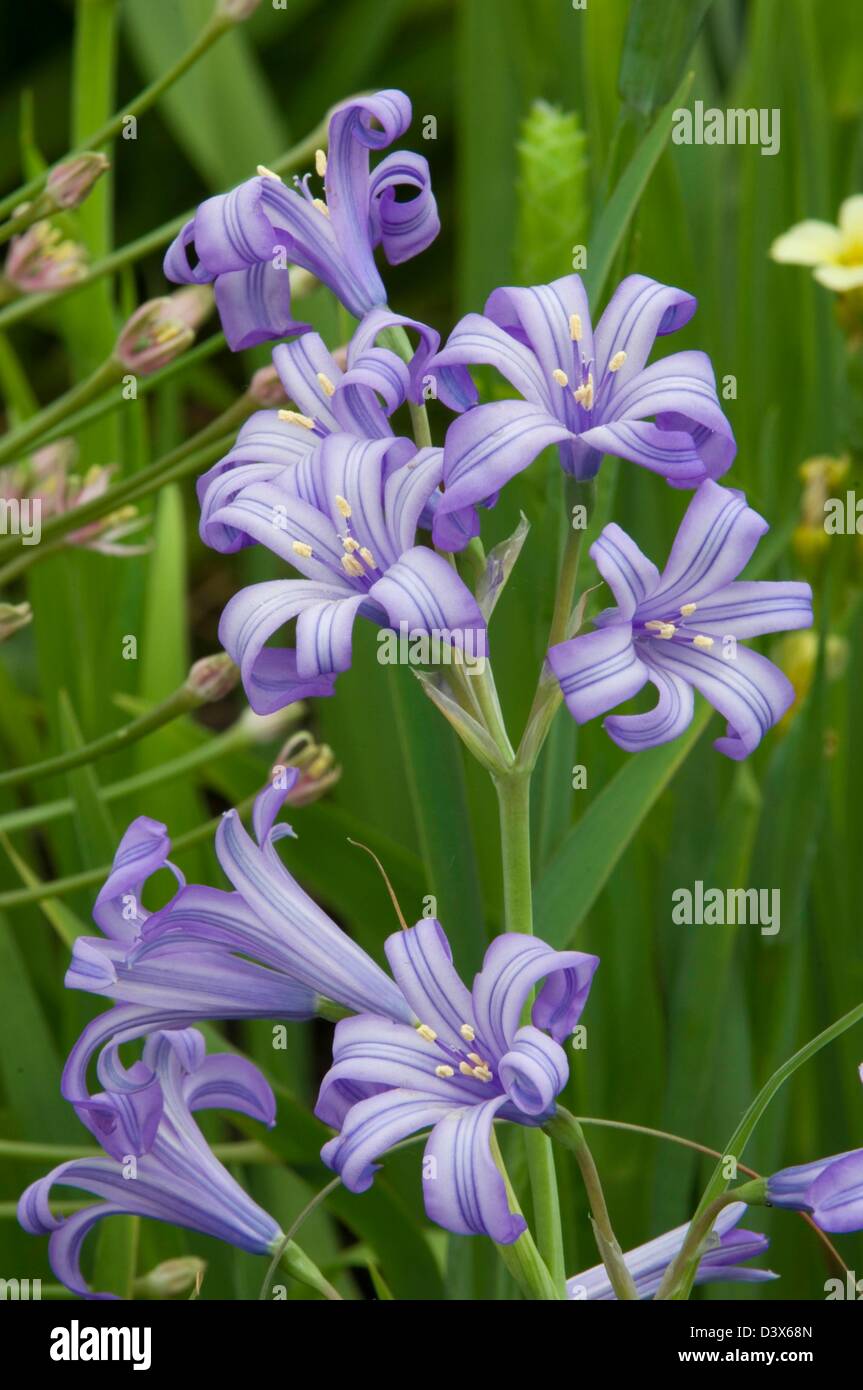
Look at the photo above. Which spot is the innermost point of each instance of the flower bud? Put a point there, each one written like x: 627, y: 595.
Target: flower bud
x: 263, y: 728
x: 69, y: 183
x: 211, y: 678
x: 316, y: 764
x: 172, y: 1278
x: 41, y: 259
x: 236, y: 10
x: 266, y: 389
x: 154, y: 336
x: 12, y: 617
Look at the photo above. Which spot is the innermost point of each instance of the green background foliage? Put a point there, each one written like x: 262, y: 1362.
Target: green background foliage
x: 684, y: 1023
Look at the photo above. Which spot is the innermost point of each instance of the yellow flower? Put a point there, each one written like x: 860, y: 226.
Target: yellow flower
x: 835, y: 252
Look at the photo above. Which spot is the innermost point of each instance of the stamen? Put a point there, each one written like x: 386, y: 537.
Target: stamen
x: 265, y: 173
x: 617, y: 362
x: 343, y: 505
x: 166, y: 333
x: 584, y: 394
x: 667, y: 631
x: 575, y: 327
x: 321, y: 206
x: 428, y: 1033
x: 465, y: 1068
x: 352, y: 567
x: 482, y: 1073
x: 702, y: 641
x: 320, y: 163
x: 688, y: 609
x: 350, y: 544
x: 327, y: 386
x: 301, y: 548
x: 369, y: 558
x: 560, y: 377
x: 475, y: 1057
x: 467, y: 1032
x: 444, y: 1072
x: 655, y: 624
x: 293, y: 417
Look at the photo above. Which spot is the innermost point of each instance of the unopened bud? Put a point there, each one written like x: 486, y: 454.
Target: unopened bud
x: 155, y: 335
x: 213, y: 677
x: 12, y: 617
x: 266, y: 389
x: 172, y: 1278
x: 316, y: 764
x: 69, y: 183
x: 41, y: 259
x: 236, y: 10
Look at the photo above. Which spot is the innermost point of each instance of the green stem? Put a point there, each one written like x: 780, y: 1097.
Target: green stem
x: 212, y: 31
x: 27, y: 304
x: 295, y: 1262
x: 240, y: 1151
x: 565, y: 1128
x: 699, y: 1229
x: 523, y: 1258
x: 18, y: 441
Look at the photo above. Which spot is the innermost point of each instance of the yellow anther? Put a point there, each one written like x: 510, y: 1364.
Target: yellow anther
x: 266, y: 173
x: 320, y: 163
x: 482, y: 1073
x: 475, y: 1057
x: 369, y: 558
x: 343, y: 505
x: 617, y: 362
x: 327, y: 386
x: 465, y: 1068
x: 428, y: 1033
x: 687, y: 609
x: 444, y: 1071
x: 321, y: 206
x: 655, y: 624
x: 667, y: 631
x: 560, y: 377
x: 350, y: 544
x: 702, y: 641
x: 293, y: 417
x: 352, y: 567
x: 166, y: 333
x: 575, y: 327
x: 467, y: 1032
x: 584, y: 394
x: 301, y: 548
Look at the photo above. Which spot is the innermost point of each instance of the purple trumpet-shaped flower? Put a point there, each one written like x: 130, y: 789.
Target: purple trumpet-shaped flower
x: 345, y: 518
x: 721, y: 1263
x: 830, y: 1190
x: 467, y: 1063
x: 681, y: 630
x: 176, y: 1178
x: 357, y: 400
x: 244, y: 239
x: 589, y: 393
x: 265, y: 950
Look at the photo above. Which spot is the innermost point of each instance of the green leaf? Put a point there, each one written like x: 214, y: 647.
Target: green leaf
x: 660, y: 36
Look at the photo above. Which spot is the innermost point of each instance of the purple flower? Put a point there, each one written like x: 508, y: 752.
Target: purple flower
x: 265, y: 950
x: 244, y: 239
x: 721, y: 1262
x: 680, y: 630
x: 588, y: 393
x: 830, y: 1190
x: 357, y: 400
x: 345, y: 517
x: 176, y: 1178
x: 468, y: 1062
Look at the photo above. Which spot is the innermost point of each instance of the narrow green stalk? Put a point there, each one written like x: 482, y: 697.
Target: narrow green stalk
x: 700, y: 1227
x: 295, y: 1262
x: 564, y: 1127
x: 27, y: 304
x: 212, y: 31
x: 240, y: 1151
x: 523, y: 1258
x: 18, y: 441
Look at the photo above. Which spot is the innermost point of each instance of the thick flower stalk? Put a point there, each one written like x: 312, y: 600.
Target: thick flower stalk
x: 467, y: 1062
x: 346, y: 519
x: 682, y: 630
x: 175, y: 1176
x: 590, y: 393
x: 722, y: 1262
x: 265, y: 950
x: 244, y: 240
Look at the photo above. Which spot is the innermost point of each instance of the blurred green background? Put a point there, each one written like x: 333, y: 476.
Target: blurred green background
x: 685, y: 1023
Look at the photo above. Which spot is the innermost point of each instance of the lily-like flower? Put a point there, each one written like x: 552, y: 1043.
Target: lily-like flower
x: 265, y: 950
x: 589, y: 393
x: 830, y: 1190
x: 176, y: 1177
x: 346, y: 518
x: 244, y: 239
x: 42, y: 259
x: 682, y: 630
x: 468, y: 1062
x: 835, y: 253
x: 721, y: 1263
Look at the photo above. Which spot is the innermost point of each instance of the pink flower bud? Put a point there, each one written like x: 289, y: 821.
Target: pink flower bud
x: 266, y: 388
x: 213, y: 677
x: 41, y: 259
x: 155, y: 335
x: 236, y: 10
x: 69, y: 183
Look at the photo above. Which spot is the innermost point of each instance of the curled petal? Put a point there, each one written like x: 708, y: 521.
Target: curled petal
x: 271, y: 679
x: 404, y: 227
x: 254, y: 305
x: 462, y: 1185
x: 513, y: 965
x: 670, y: 717
x: 374, y: 1125
x: 142, y: 851
x: 598, y: 670
x: 533, y: 1072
